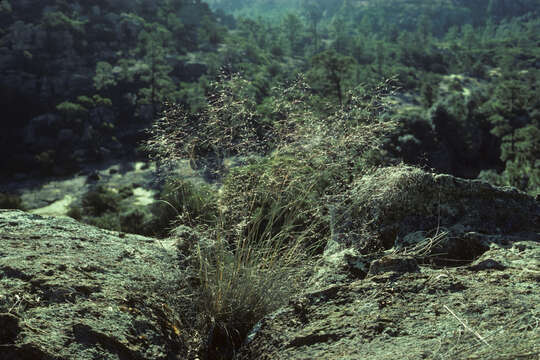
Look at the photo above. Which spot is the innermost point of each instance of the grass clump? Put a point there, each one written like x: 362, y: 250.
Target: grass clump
x: 263, y: 230
x: 278, y: 196
x: 238, y: 285
x: 187, y: 203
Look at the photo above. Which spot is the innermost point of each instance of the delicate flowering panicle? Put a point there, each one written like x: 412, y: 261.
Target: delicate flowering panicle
x: 231, y: 124
x: 270, y: 216
x: 228, y: 125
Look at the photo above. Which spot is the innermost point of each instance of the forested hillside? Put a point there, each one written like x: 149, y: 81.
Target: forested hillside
x: 78, y: 80
x: 467, y: 72
x: 316, y: 160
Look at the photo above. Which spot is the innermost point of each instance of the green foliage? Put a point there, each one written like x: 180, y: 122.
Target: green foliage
x: 5, y: 6
x: 85, y: 101
x: 113, y: 209
x: 428, y: 91
x: 313, y: 11
x: 104, y: 77
x: 521, y: 154
x: 333, y: 70
x: 57, y: 19
x: 154, y: 44
x: 79, y: 110
x: 72, y: 111
x: 341, y: 45
x: 105, y: 221
x: 210, y: 32
x: 97, y: 100
x: 99, y: 201
x: 192, y: 95
x: 293, y: 29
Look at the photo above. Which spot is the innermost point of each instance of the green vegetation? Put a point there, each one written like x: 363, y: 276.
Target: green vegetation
x: 112, y: 209
x: 178, y: 202
x: 260, y: 233
x: 461, y: 98
x: 59, y: 20
x: 186, y: 203
x: 468, y: 70
x: 304, y: 150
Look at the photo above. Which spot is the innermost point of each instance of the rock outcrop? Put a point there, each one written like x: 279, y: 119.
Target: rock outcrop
x: 419, y: 266
x: 72, y: 291
x: 453, y: 274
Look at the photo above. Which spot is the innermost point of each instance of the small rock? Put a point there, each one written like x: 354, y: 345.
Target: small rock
x: 488, y: 264
x: 394, y: 264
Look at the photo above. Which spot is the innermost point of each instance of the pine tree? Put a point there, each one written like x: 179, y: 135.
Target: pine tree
x: 313, y: 12
x: 334, y: 68
x: 293, y: 28
x: 154, y: 46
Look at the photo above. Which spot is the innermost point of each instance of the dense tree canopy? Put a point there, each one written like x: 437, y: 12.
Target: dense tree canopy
x: 468, y: 71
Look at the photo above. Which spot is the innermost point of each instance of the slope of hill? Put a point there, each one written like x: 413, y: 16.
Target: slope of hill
x: 78, y: 80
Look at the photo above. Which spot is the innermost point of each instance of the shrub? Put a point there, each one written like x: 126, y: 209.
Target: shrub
x: 108, y: 221
x: 75, y: 212
x: 262, y: 230
x: 187, y: 203
x: 113, y: 209
x: 72, y: 111
x: 134, y: 222
x: 100, y: 200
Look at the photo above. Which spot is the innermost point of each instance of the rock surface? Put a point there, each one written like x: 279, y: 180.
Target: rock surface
x: 72, y: 291
x: 414, y: 316
x: 453, y: 274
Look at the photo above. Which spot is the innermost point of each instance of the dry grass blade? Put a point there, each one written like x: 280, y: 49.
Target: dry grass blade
x: 466, y: 326
x: 423, y: 249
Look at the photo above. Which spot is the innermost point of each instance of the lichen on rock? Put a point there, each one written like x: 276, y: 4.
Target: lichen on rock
x: 72, y: 291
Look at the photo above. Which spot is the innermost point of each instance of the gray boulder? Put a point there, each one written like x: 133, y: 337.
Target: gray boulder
x: 72, y: 291
x: 397, y: 201
x: 420, y: 266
